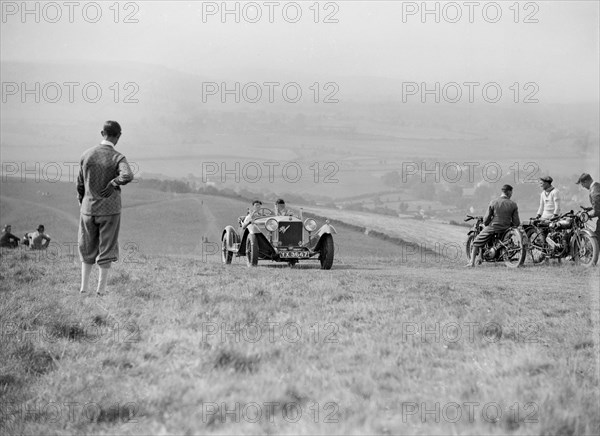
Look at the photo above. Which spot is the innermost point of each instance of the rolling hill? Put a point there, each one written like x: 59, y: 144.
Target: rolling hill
x: 153, y: 222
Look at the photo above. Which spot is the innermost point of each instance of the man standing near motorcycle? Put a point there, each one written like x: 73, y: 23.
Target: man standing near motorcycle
x: 588, y: 183
x: 502, y: 214
x: 549, y: 200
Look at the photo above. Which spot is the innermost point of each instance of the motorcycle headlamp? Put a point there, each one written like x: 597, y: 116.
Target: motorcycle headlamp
x: 271, y: 225
x: 585, y: 217
x: 310, y: 225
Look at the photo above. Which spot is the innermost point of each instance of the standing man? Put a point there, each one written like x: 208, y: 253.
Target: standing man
x: 501, y: 215
x: 7, y: 239
x: 588, y: 183
x: 103, y: 170
x: 549, y: 200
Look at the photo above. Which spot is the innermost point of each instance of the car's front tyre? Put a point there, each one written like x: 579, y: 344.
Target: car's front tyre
x: 251, y: 250
x: 327, y: 249
x: 226, y: 255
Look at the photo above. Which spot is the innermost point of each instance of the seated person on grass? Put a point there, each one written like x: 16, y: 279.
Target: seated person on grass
x: 7, y: 239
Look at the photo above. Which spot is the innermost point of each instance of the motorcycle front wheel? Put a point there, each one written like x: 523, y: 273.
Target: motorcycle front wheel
x: 469, y: 246
x: 584, y: 249
x: 514, y: 248
x: 537, y: 247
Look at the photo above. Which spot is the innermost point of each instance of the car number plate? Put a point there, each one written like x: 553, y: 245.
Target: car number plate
x: 289, y: 254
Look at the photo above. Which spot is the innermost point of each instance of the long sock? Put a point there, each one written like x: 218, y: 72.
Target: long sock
x: 86, y: 269
x: 102, y: 279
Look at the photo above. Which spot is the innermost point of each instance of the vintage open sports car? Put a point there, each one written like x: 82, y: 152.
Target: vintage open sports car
x: 283, y: 238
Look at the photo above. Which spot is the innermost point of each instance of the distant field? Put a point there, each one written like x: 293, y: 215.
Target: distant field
x: 428, y: 233
x: 152, y: 222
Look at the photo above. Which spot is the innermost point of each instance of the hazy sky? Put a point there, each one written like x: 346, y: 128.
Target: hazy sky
x: 381, y: 39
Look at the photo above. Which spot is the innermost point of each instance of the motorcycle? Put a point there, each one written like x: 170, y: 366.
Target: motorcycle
x: 508, y: 247
x: 563, y: 237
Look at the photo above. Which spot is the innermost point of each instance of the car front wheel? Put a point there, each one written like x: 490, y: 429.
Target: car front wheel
x: 251, y: 250
x: 226, y: 255
x: 327, y: 249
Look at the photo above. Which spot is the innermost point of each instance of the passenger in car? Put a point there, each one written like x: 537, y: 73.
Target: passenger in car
x: 280, y: 208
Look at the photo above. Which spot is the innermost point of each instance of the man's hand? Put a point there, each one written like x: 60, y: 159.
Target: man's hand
x: 107, y: 192
x: 587, y: 209
x: 538, y: 216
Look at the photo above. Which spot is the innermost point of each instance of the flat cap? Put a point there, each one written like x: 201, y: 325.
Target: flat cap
x: 583, y: 178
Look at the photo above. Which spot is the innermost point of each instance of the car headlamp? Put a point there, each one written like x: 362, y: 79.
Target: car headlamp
x: 271, y: 225
x: 310, y: 225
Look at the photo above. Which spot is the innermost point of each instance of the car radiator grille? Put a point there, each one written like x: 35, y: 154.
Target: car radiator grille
x: 290, y: 233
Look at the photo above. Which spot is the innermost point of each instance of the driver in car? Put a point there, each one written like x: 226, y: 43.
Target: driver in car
x: 256, y: 205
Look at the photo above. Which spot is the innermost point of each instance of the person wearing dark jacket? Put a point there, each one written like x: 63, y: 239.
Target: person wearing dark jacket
x: 588, y: 183
x: 502, y: 214
x: 7, y: 239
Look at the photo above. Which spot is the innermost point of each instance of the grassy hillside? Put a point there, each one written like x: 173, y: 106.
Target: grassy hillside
x: 394, y: 339
x: 377, y: 346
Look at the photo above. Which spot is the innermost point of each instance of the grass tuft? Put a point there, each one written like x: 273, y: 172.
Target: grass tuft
x: 118, y: 277
x: 340, y: 298
x: 7, y: 381
x: 27, y: 273
x: 37, y: 362
x: 71, y: 331
x: 584, y: 344
x: 226, y: 359
x: 118, y: 363
x: 100, y: 320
